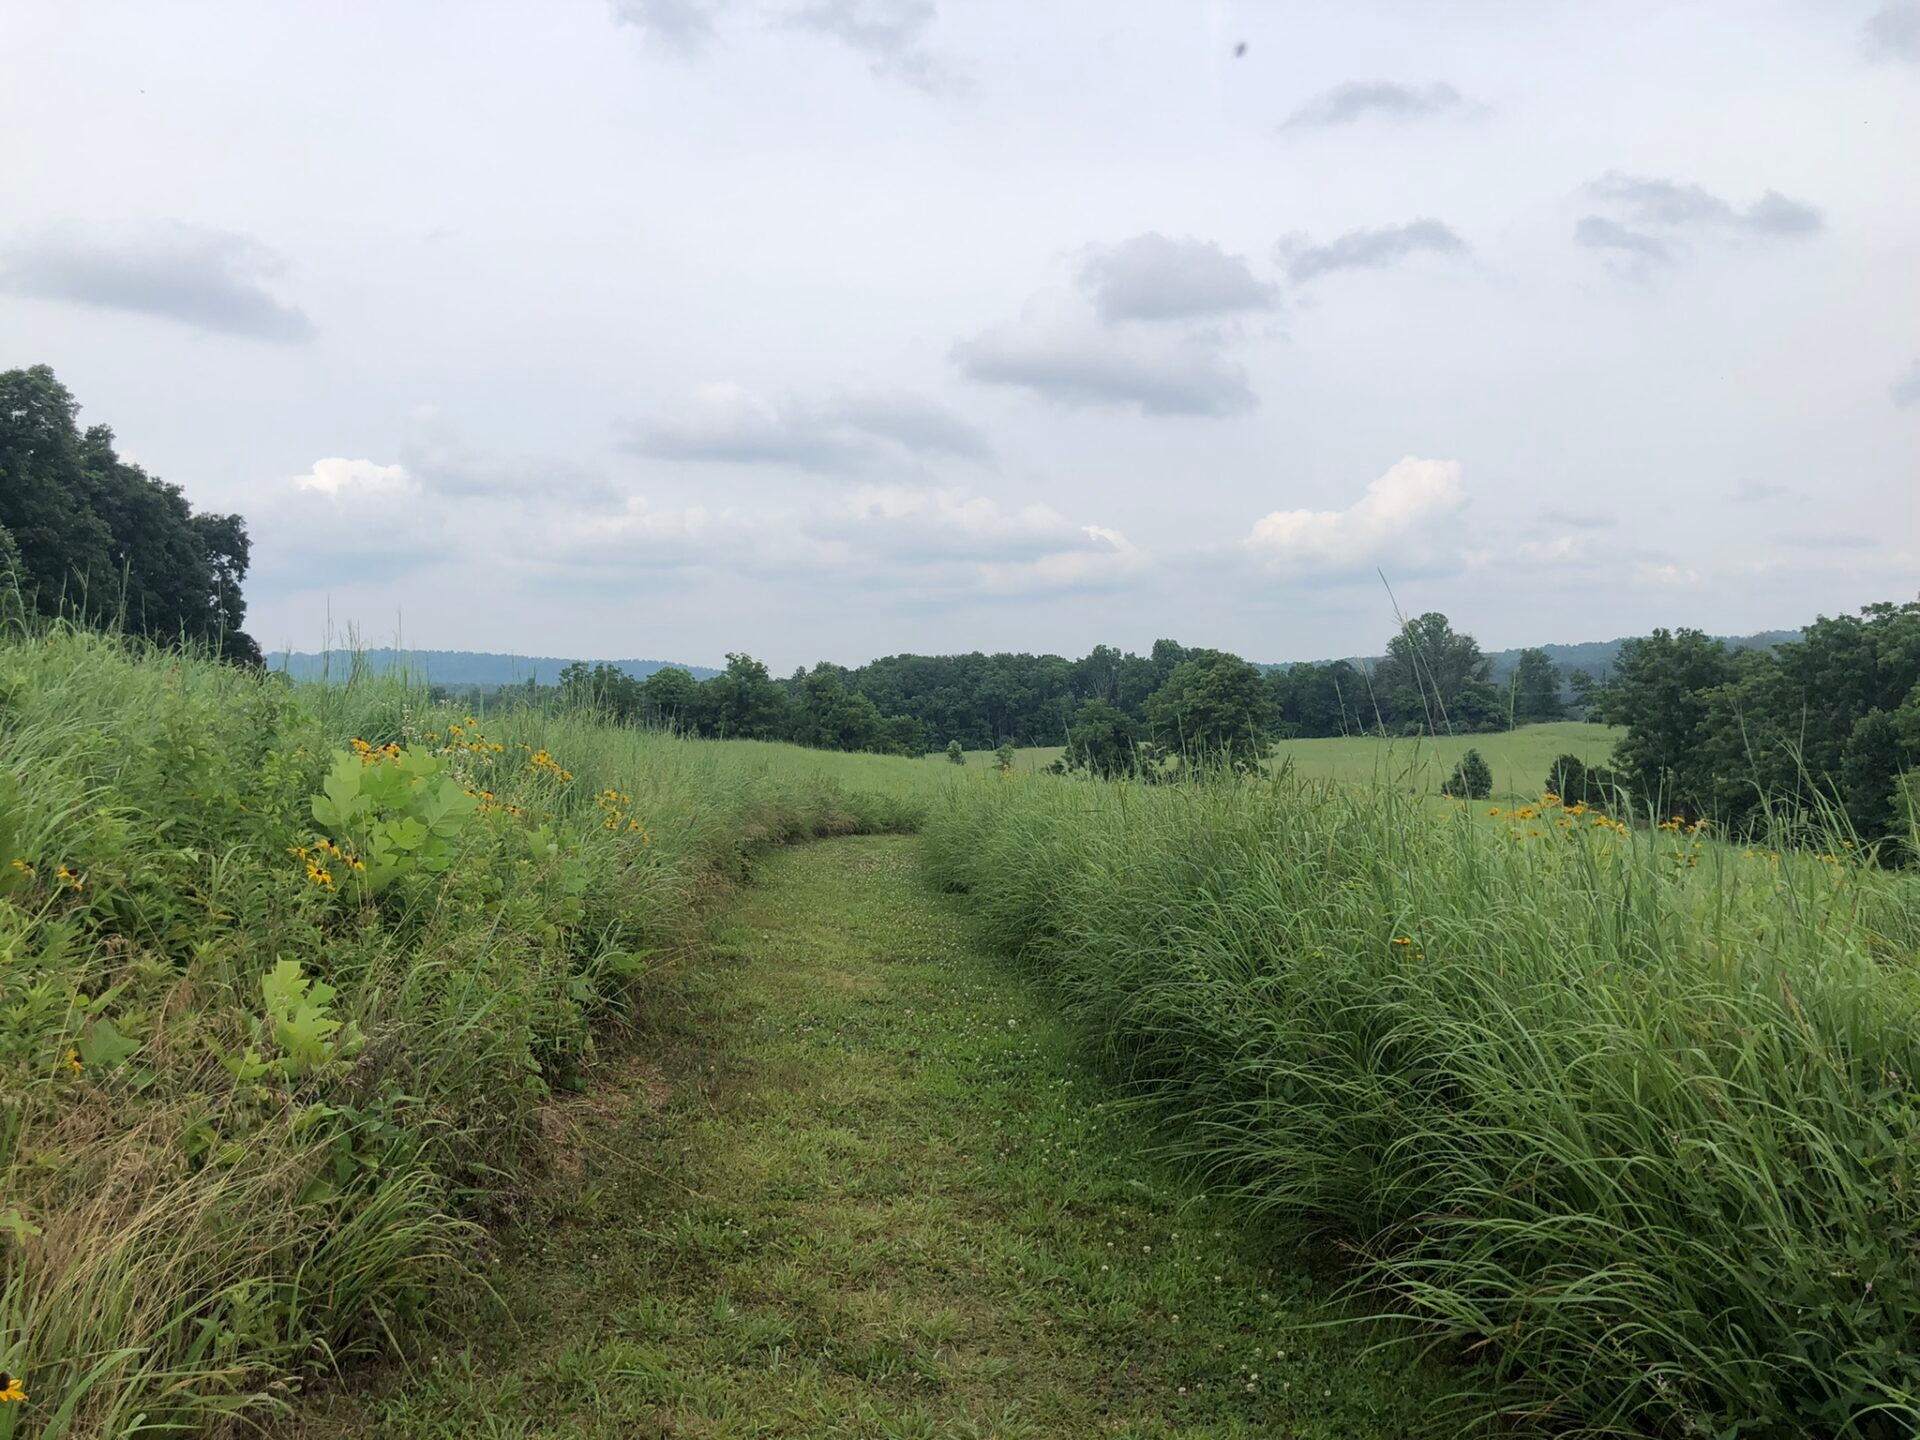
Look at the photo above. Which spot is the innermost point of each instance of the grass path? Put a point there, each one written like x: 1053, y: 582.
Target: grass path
x: 870, y: 1193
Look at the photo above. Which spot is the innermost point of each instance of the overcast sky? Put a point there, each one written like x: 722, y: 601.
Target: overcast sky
x: 834, y: 328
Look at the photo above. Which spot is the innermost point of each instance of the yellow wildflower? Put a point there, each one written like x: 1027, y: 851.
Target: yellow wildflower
x: 73, y: 1060
x: 11, y: 1392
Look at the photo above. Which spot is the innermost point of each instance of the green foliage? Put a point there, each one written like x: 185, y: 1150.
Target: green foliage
x: 1621, y: 1114
x: 1003, y: 757
x: 1472, y: 778
x: 1436, y: 679
x: 1578, y: 783
x: 955, y: 754
x: 181, y: 1237
x: 1536, y: 690
x: 1105, y: 741
x: 1214, y: 711
x: 1816, y: 730
x: 389, y: 814
x: 96, y: 539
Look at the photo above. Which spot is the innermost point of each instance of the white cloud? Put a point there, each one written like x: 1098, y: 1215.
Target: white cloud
x: 1393, y: 521
x: 846, y: 431
x: 1059, y: 350
x: 1670, y: 576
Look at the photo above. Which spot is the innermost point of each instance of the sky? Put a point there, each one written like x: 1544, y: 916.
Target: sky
x: 826, y: 329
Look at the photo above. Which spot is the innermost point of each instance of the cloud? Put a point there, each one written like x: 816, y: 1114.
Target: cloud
x: 1597, y: 232
x: 1361, y: 99
x: 730, y: 424
x: 1671, y: 205
x: 1893, y: 31
x: 435, y: 457
x: 209, y: 279
x: 685, y: 26
x: 1754, y: 492
x: 1154, y: 277
x: 1059, y: 350
x: 1367, y: 249
x: 927, y: 543
x: 1668, y: 576
x: 1393, y: 522
x: 346, y: 520
x: 1906, y: 390
x: 889, y: 33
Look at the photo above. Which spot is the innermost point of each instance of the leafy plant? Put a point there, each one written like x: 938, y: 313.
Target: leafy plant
x: 389, y: 813
x: 1472, y: 778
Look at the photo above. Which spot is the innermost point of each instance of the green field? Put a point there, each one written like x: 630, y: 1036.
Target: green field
x: 540, y: 1056
x: 1519, y: 758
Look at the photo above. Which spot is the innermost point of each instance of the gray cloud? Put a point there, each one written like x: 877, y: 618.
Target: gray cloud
x: 1754, y: 492
x: 1359, y: 99
x: 1893, y: 31
x: 1824, y: 540
x: 682, y: 25
x: 889, y: 33
x: 1367, y: 249
x: 1597, y: 232
x: 1065, y: 355
x: 208, y: 279
x: 1154, y: 277
x: 1650, y: 201
x: 846, y: 432
x: 1906, y: 390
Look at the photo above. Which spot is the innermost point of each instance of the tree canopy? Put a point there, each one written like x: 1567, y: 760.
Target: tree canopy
x: 94, y: 538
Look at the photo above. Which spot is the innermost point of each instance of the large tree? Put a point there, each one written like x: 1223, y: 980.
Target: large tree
x: 1214, y: 711
x: 1536, y: 689
x: 97, y: 539
x: 1436, y: 679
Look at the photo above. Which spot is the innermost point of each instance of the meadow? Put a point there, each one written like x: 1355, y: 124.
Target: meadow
x: 1623, y: 1118
x: 1520, y: 758
x: 289, y: 974
x: 298, y: 982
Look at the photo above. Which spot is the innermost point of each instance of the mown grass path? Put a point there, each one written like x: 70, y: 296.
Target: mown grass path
x: 870, y: 1193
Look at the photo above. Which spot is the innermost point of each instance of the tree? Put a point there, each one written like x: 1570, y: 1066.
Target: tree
x: 97, y: 539
x: 956, y: 755
x: 671, y: 699
x: 1104, y: 741
x: 1536, y: 689
x: 743, y: 703
x: 1472, y: 778
x: 1003, y: 757
x: 1215, y: 710
x: 1579, y: 783
x: 1660, y: 694
x: 1436, y: 680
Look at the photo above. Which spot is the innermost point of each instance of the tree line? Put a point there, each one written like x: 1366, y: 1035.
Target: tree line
x: 1820, y: 734
x: 89, y: 536
x: 1111, y: 709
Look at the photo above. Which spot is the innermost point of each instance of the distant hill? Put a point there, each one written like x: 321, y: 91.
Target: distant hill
x: 460, y: 667
x: 1596, y: 657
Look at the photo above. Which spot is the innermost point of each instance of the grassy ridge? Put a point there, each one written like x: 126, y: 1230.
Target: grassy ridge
x: 247, y: 1115
x: 1628, y: 1118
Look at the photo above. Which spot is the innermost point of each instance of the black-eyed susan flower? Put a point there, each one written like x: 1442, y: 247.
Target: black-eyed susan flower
x: 12, y: 1392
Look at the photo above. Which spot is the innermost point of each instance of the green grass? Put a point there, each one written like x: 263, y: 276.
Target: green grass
x: 865, y: 1190
x: 1631, y: 1116
x: 205, y: 1192
x: 1520, y: 759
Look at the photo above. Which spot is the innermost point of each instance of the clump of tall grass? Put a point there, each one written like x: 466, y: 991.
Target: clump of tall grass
x: 248, y: 1116
x: 1628, y: 1118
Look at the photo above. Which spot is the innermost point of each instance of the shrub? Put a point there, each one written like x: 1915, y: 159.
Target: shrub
x: 1472, y: 778
x: 956, y: 754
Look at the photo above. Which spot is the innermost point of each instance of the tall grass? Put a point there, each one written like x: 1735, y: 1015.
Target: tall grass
x: 185, y: 1230
x: 1626, y: 1120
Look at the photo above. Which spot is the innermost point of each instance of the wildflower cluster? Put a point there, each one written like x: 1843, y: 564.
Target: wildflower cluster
x: 489, y: 803
x: 387, y: 754
x: 1552, y: 807
x: 542, y: 760
x: 467, y: 738
x: 615, y: 810
x: 321, y: 856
